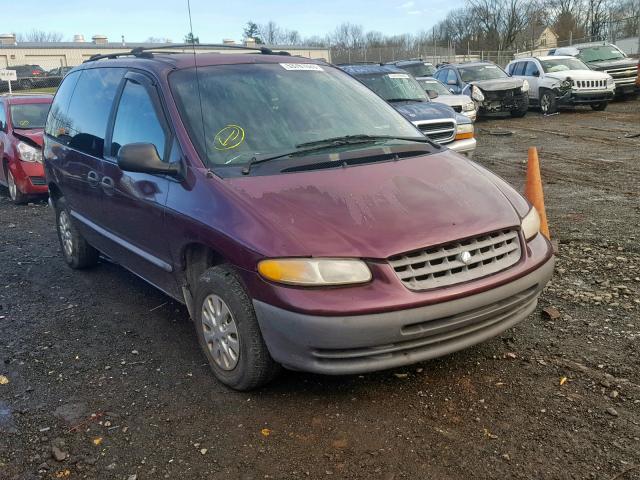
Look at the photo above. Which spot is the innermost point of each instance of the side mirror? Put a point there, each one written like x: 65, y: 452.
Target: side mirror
x: 536, y: 73
x: 144, y: 158
x: 452, y: 90
x: 432, y: 94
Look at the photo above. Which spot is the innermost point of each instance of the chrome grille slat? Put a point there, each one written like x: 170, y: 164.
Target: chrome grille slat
x: 441, y: 131
x: 442, y: 266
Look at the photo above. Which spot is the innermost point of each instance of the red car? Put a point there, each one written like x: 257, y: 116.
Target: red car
x: 22, y: 119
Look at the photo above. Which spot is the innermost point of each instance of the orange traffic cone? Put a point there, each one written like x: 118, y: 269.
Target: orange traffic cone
x: 533, y: 189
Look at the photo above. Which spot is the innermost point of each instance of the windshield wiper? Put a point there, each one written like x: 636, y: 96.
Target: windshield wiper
x: 394, y: 100
x: 318, y: 145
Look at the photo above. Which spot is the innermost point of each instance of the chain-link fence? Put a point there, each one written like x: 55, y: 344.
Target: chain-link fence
x: 45, y: 76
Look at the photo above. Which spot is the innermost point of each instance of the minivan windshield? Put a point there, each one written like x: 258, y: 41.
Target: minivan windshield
x: 29, y: 115
x: 562, y: 64
x: 600, y: 54
x: 394, y: 87
x: 267, y: 109
x: 481, y: 72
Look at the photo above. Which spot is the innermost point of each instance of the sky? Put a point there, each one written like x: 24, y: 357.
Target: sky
x: 138, y: 20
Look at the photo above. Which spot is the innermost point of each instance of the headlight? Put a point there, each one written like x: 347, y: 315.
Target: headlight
x: 476, y: 94
x: 525, y: 86
x: 566, y: 83
x: 531, y: 224
x: 464, y: 130
x: 468, y: 107
x: 27, y: 153
x: 610, y: 82
x: 315, y: 272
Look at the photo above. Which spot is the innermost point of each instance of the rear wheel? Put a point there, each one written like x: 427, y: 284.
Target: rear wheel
x: 548, y: 102
x: 25, y: 84
x: 75, y: 249
x: 228, y: 331
x: 598, y: 107
x: 14, y: 191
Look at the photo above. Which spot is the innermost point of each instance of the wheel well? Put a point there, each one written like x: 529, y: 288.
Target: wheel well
x: 54, y: 192
x: 196, y: 259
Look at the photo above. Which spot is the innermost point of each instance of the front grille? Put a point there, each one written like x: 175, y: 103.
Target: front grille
x: 509, y: 94
x: 438, y: 131
x: 457, y: 108
x: 591, y: 83
x: 442, y: 265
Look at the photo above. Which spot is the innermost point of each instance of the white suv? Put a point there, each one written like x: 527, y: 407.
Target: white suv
x: 563, y: 80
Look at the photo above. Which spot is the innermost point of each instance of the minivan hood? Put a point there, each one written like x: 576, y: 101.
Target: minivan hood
x: 416, y: 111
x: 34, y: 136
x: 498, y: 84
x: 375, y: 210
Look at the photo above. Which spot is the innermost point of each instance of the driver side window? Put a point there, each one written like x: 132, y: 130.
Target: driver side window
x: 3, y: 119
x: 452, y: 78
x: 531, y: 69
x: 137, y: 120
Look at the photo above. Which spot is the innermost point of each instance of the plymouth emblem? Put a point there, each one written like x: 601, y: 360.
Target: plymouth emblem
x: 465, y: 257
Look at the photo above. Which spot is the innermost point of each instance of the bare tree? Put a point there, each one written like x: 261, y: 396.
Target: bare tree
x: 39, y: 36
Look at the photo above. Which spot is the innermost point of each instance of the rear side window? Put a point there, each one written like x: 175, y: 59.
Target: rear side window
x: 57, y: 121
x: 3, y: 118
x: 90, y: 107
x: 452, y: 78
x: 137, y: 120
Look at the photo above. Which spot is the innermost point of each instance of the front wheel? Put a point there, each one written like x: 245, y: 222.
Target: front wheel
x: 25, y: 84
x: 548, y: 102
x: 75, y: 249
x: 598, y: 107
x: 14, y: 191
x: 228, y: 331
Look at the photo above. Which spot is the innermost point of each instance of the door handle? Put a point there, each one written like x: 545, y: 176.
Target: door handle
x: 92, y: 178
x: 107, y: 184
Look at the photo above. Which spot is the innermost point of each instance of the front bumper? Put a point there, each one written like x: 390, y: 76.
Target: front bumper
x: 29, y: 177
x: 340, y: 345
x: 505, y: 104
x: 465, y: 147
x: 574, y: 97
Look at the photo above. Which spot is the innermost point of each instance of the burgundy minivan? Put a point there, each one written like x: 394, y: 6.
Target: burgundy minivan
x: 301, y: 219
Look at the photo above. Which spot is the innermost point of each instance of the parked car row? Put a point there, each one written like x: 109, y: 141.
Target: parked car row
x: 34, y: 76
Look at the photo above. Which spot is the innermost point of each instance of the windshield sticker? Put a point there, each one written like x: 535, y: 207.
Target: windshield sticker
x: 229, y: 137
x: 399, y: 75
x: 307, y: 67
x: 24, y: 123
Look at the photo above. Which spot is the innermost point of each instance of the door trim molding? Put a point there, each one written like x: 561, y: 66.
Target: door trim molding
x: 158, y: 262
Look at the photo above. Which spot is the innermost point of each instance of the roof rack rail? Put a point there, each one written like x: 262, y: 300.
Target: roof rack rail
x: 147, y: 52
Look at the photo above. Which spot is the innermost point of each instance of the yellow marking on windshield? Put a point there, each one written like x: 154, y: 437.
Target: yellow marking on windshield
x: 229, y: 137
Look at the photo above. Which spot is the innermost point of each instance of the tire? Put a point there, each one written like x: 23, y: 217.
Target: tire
x: 25, y: 84
x: 599, y: 107
x: 519, y: 113
x: 228, y: 331
x: 15, y: 194
x: 76, y: 251
x: 548, y: 103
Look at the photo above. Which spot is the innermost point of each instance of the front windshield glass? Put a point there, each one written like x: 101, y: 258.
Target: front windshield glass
x: 394, y: 87
x: 29, y: 115
x: 481, y: 72
x: 434, y: 85
x: 265, y: 109
x: 562, y: 64
x: 419, y: 69
x: 599, y: 54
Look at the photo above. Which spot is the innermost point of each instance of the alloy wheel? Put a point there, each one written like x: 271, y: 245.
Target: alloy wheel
x: 220, y: 332
x: 545, y: 102
x: 64, y: 227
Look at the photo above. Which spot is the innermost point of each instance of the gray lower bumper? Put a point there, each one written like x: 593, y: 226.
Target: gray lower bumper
x: 363, y: 343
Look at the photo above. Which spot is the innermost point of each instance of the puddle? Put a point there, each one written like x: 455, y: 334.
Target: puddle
x: 7, y: 424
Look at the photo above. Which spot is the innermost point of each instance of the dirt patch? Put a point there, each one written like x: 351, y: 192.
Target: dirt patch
x: 106, y: 379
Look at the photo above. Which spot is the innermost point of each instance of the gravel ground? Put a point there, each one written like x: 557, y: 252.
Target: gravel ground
x: 105, y: 379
